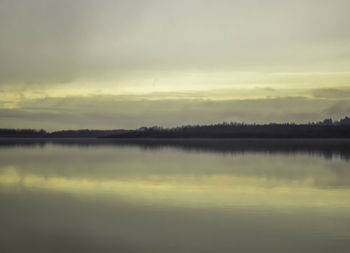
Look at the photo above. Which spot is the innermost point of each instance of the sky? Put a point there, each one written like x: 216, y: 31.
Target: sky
x: 74, y: 64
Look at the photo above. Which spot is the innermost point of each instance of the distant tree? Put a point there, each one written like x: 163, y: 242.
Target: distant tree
x: 327, y: 122
x: 345, y: 121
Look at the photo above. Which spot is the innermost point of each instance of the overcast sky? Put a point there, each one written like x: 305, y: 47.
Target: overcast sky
x: 124, y: 64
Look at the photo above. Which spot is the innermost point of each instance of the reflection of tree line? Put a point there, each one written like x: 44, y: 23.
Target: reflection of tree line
x: 328, y: 148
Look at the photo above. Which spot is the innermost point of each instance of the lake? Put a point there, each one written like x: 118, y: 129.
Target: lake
x: 87, y: 195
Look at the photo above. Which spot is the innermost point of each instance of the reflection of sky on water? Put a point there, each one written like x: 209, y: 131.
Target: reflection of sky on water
x: 175, y: 176
x: 128, y: 198
x: 212, y: 191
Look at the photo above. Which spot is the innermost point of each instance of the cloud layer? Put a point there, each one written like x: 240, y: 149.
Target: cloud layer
x: 108, y: 112
x: 47, y: 40
x: 110, y: 64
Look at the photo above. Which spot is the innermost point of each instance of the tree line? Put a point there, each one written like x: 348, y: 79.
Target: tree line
x: 322, y: 129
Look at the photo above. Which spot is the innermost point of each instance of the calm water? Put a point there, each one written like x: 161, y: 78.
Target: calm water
x: 175, y: 196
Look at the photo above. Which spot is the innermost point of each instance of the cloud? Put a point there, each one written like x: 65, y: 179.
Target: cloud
x: 339, y: 109
x: 337, y: 93
x: 46, y: 41
x: 171, y: 62
x: 107, y: 112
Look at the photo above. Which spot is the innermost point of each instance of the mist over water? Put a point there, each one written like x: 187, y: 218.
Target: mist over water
x: 175, y: 196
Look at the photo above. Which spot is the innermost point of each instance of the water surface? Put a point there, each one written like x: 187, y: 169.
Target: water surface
x: 174, y: 196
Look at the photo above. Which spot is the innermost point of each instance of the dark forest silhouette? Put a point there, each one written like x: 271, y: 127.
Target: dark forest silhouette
x: 31, y: 133
x: 323, y: 129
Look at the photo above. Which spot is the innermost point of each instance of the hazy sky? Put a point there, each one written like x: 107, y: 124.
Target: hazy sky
x: 125, y: 64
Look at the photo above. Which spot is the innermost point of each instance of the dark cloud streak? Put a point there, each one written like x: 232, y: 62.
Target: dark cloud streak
x: 107, y: 112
